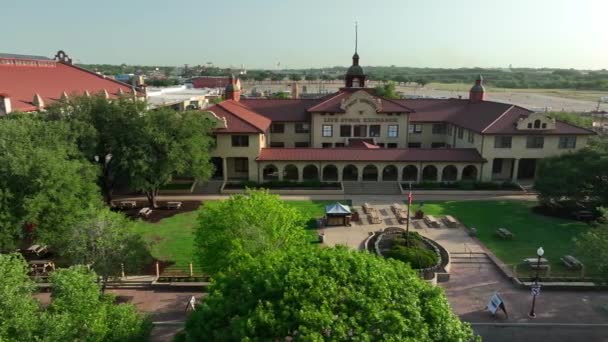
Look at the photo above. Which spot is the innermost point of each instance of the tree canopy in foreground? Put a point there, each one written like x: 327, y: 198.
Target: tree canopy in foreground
x: 78, y: 311
x: 317, y: 294
x: 246, y: 226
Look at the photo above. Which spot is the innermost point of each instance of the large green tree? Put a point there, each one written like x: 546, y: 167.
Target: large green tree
x: 387, y: 90
x: 45, y: 184
x: 592, y: 246
x: 18, y: 309
x: 105, y: 240
x: 104, y: 132
x: 166, y: 144
x: 244, y: 227
x: 78, y: 311
x: 319, y: 294
x: 580, y: 176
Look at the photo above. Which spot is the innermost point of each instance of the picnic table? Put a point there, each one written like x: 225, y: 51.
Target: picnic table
x: 396, y: 208
x: 41, y: 267
x: 431, y: 221
x: 450, y: 221
x: 571, y: 262
x: 374, y: 218
x: 534, y: 264
x: 174, y: 205
x: 127, y: 204
x: 367, y: 208
x: 504, y: 233
x: 37, y: 249
x: 402, y: 217
x: 584, y: 215
x: 145, y: 212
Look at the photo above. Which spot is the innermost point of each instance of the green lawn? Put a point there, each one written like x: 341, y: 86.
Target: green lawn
x: 172, y: 239
x: 530, y: 230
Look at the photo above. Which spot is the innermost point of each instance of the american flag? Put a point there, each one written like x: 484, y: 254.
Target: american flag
x: 409, y: 196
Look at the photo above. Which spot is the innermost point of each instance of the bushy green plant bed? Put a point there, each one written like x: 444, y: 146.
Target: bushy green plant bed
x: 283, y: 185
x: 462, y: 185
x: 415, y: 251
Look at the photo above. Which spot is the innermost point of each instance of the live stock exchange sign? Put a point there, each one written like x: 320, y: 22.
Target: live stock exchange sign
x: 359, y: 120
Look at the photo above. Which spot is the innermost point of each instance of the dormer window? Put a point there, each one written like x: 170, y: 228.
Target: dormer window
x: 537, y: 124
x: 530, y: 125
x: 544, y: 125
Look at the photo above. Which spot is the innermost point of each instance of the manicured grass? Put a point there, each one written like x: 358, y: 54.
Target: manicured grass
x: 530, y: 230
x: 172, y: 239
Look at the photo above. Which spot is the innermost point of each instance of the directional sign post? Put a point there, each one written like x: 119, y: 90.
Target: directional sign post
x: 535, y: 290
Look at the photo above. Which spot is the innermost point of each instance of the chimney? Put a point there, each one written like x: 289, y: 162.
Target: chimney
x: 295, y: 91
x: 233, y: 89
x: 477, y: 92
x: 86, y: 93
x: 64, y: 96
x: 105, y: 94
x: 5, y: 104
x: 38, y: 101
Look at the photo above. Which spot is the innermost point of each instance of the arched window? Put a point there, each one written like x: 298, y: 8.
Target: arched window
x: 330, y: 173
x: 469, y: 173
x: 350, y: 173
x: 290, y: 172
x: 410, y: 173
x: 537, y: 123
x: 310, y: 172
x: 370, y: 173
x: 389, y: 173
x: 429, y: 173
x: 449, y: 173
x: 270, y: 172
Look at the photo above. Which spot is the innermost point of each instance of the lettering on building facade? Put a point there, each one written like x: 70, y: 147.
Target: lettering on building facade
x: 359, y: 120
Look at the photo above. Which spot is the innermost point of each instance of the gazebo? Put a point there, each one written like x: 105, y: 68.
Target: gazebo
x: 337, y: 214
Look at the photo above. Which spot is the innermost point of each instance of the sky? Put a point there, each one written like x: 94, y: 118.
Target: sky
x: 312, y: 33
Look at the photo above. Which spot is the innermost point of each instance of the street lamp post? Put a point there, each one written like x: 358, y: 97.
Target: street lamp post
x: 535, y: 289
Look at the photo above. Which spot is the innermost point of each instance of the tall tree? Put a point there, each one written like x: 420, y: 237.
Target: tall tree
x: 245, y: 226
x: 45, y: 184
x: 387, y: 90
x: 104, y: 131
x: 166, y: 144
x: 592, y: 246
x: 105, y: 240
x: 324, y: 294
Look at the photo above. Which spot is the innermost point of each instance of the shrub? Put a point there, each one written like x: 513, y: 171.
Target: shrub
x: 417, y: 257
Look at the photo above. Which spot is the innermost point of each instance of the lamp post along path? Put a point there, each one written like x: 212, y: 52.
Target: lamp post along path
x: 536, y: 288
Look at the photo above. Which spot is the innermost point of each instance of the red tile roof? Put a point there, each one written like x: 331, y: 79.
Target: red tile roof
x: 287, y: 110
x: 239, y: 119
x: 210, y: 82
x: 22, y: 78
x: 331, y: 104
x: 372, y: 155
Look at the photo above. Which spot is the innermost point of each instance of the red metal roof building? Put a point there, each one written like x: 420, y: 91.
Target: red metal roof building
x: 29, y: 83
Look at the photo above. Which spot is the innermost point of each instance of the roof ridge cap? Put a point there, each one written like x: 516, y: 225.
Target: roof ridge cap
x: 232, y: 102
x: 336, y: 94
x: 498, y: 118
x: 96, y: 74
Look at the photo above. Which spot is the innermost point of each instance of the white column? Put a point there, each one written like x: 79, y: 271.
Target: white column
x: 225, y: 169
x: 514, y: 170
x: 300, y: 173
x: 399, y: 172
x: 280, y: 171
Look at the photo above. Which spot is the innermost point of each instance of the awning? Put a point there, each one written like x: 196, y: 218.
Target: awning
x: 337, y: 209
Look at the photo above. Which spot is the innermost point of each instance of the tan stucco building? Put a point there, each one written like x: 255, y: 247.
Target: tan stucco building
x: 355, y: 135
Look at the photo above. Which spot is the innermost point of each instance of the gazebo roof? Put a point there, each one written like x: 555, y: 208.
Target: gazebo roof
x: 337, y: 208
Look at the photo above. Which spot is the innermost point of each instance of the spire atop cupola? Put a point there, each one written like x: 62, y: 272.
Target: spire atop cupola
x: 355, y: 77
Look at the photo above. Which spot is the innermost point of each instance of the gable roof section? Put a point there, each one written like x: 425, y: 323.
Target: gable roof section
x: 21, y: 77
x: 372, y: 155
x: 239, y: 119
x: 332, y: 103
x: 486, y: 117
x: 286, y: 110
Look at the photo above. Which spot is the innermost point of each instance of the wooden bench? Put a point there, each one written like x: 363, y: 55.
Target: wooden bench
x: 431, y: 221
x: 450, y: 221
x: 534, y: 264
x: 37, y: 250
x: 571, y: 262
x: 145, y: 212
x: 367, y: 208
x: 504, y: 233
x: 584, y: 215
x: 174, y: 205
x: 374, y: 218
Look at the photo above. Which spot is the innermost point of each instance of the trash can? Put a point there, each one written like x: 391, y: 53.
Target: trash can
x: 321, y: 238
